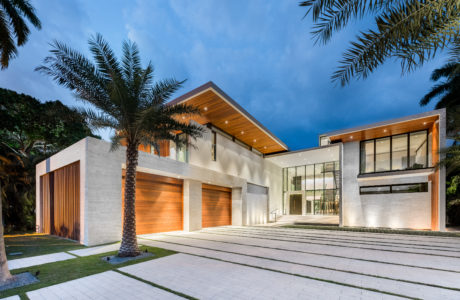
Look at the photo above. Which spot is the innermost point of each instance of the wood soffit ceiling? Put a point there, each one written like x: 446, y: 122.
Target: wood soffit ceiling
x: 386, y: 130
x: 226, y: 115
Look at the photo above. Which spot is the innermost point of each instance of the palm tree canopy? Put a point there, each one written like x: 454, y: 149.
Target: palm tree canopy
x: 447, y: 90
x: 412, y: 31
x: 12, y: 24
x: 123, y: 92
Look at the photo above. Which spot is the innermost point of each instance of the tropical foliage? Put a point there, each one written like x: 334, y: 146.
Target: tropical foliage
x: 410, y: 31
x: 447, y: 91
x: 13, y: 25
x: 30, y: 132
x: 127, y: 100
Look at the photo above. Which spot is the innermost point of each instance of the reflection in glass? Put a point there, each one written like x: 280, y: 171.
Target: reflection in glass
x: 310, y: 177
x: 399, y: 152
x: 367, y: 157
x: 319, y: 180
x: 382, y: 154
x: 417, y: 151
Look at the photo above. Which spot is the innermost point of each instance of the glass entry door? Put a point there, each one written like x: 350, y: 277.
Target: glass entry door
x: 295, y: 204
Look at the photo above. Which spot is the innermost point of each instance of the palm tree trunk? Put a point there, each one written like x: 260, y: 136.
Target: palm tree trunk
x: 128, y: 245
x: 4, y: 271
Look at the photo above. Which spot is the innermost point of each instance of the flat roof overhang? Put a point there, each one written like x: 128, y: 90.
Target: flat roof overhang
x: 386, y: 128
x: 306, y: 156
x: 218, y: 109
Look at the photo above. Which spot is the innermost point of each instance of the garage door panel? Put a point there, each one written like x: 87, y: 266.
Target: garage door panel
x: 216, y: 206
x: 159, y: 203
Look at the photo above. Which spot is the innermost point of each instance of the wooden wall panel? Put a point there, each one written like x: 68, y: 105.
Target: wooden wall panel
x: 67, y: 202
x: 216, y: 206
x: 434, y: 178
x: 159, y: 203
x: 45, y: 203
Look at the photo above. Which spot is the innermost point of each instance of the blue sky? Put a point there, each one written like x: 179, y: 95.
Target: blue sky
x: 259, y: 52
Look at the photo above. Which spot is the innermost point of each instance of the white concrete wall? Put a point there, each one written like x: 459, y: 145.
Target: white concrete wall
x: 192, y: 205
x: 401, y: 210
x: 73, y: 153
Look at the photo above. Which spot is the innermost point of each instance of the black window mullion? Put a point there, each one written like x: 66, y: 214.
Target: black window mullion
x: 391, y: 153
x: 375, y: 155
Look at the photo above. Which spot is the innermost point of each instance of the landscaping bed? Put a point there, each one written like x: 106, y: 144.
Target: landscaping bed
x: 33, y: 244
x: 376, y: 230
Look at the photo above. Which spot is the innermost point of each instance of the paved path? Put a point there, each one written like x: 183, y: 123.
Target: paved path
x: 205, y: 278
x: 412, y: 266
x: 38, y: 260
x: 96, y: 250
x: 106, y: 285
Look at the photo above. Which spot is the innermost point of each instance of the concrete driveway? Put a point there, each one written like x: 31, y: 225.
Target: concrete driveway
x: 258, y: 262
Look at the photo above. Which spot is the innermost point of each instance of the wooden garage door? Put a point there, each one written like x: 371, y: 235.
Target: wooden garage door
x: 216, y: 206
x: 159, y: 203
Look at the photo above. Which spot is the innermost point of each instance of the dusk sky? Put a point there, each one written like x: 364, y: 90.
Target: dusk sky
x: 259, y: 52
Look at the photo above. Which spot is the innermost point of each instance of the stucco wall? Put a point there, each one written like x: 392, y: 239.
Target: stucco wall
x: 411, y: 210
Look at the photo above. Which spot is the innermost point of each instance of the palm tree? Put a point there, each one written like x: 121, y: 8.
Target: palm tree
x: 127, y: 101
x: 12, y: 24
x: 411, y: 31
x: 447, y: 91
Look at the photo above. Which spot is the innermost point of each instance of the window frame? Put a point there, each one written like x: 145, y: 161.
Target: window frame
x: 391, y: 152
x: 214, y: 145
x: 423, y: 186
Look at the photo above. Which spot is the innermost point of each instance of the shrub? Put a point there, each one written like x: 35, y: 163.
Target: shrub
x: 453, y: 212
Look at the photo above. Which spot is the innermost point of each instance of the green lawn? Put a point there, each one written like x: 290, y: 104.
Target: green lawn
x: 376, y: 230
x: 57, y: 272
x: 37, y: 244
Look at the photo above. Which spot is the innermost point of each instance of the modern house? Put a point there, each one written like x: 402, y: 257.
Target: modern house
x: 239, y: 173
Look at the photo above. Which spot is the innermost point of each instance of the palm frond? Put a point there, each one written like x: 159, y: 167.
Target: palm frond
x: 7, y: 47
x: 104, y: 56
x: 28, y: 11
x: 398, y: 30
x: 435, y: 91
x: 21, y: 30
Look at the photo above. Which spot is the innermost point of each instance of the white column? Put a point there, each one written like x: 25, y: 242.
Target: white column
x: 192, y: 205
x: 239, y: 208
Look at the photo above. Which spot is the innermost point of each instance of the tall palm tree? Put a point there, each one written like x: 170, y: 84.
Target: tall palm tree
x: 126, y: 100
x: 411, y: 31
x: 12, y: 24
x: 447, y: 91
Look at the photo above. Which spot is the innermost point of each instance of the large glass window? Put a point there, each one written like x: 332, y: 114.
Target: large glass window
x: 319, y: 180
x: 367, y: 156
x: 418, y: 150
x: 398, y: 152
x: 395, y: 188
x: 382, y: 154
x: 318, y: 183
x: 310, y: 177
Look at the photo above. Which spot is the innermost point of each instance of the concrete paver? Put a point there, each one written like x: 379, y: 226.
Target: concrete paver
x: 38, y: 260
x: 106, y: 285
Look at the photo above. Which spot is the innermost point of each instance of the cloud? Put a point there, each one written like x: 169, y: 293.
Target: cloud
x: 259, y: 52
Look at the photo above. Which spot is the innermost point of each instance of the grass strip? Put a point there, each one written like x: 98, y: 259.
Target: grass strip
x: 157, y: 285
x: 37, y: 244
x: 279, y: 271
x: 63, y: 271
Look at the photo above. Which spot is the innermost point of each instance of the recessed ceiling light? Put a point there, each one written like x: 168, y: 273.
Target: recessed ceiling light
x: 183, y: 117
x: 242, y: 132
x: 424, y: 123
x: 265, y: 147
x: 351, y: 137
x: 384, y: 130
x: 205, y: 108
x: 254, y: 140
x: 226, y: 122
